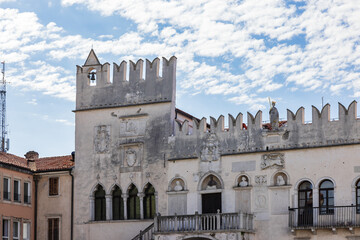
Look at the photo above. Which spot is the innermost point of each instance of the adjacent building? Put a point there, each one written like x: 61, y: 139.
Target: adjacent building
x: 36, y: 197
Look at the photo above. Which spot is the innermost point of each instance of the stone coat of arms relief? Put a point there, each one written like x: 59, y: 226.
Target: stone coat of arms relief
x: 210, y: 151
x: 131, y: 157
x: 102, y: 139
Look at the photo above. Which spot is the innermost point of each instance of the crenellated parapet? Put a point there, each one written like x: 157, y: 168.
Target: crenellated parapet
x: 96, y: 90
x: 294, y: 133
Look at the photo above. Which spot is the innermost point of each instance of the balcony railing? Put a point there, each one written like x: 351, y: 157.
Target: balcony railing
x: 17, y: 197
x: 324, y: 217
x: 27, y: 199
x: 6, y: 195
x: 210, y: 222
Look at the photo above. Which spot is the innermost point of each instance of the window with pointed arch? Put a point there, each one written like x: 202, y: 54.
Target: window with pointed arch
x: 326, y: 197
x: 358, y: 196
x: 133, y: 203
x: 149, y: 202
x: 117, y: 204
x: 100, y: 204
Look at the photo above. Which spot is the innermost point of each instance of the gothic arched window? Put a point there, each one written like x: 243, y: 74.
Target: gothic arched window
x: 100, y: 204
x: 133, y: 203
x: 149, y: 202
x: 326, y: 197
x: 117, y: 204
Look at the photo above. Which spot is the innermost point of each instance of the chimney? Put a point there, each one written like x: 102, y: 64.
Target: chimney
x: 31, y: 156
x: 73, y: 156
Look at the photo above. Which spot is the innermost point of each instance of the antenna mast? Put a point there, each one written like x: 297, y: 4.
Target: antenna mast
x: 3, y: 141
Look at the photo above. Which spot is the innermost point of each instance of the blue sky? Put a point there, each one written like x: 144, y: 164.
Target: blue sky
x: 232, y: 56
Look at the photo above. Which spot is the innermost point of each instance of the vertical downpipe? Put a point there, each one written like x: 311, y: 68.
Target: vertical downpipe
x: 36, y: 180
x: 72, y: 205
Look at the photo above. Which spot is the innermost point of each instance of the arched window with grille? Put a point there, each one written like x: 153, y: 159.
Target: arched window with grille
x: 326, y: 197
x: 117, y: 204
x: 149, y: 202
x: 305, y: 203
x: 133, y: 203
x: 358, y: 196
x: 100, y: 204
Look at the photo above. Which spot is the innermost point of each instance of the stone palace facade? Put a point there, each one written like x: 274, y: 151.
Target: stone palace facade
x: 146, y: 170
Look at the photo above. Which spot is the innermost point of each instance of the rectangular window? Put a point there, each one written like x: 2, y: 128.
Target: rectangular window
x: 53, y: 186
x: 6, y: 189
x: 53, y: 229
x: 27, y: 192
x: 16, y: 190
x: 5, y: 229
x: 26, y: 231
x: 16, y: 230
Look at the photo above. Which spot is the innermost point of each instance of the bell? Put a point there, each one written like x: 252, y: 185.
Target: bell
x: 92, y: 76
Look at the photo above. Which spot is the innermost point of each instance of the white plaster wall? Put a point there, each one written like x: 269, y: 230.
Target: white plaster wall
x: 314, y: 164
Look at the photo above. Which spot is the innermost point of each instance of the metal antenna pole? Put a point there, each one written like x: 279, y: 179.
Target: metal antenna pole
x: 3, y: 109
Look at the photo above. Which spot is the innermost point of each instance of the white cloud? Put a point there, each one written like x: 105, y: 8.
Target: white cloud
x: 264, y: 46
x: 32, y: 101
x: 65, y: 122
x: 326, y: 34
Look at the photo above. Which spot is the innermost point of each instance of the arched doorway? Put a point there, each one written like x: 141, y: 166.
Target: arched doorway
x: 211, y: 194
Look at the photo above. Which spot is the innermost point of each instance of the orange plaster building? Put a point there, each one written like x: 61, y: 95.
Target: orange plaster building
x: 28, y: 208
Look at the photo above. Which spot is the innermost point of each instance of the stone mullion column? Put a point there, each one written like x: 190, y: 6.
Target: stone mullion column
x: 141, y: 198
x: 108, y: 199
x: 316, y: 207
x: 156, y: 203
x: 92, y: 208
x: 125, y: 197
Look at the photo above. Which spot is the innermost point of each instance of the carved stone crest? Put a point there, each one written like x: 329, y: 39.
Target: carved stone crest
x: 102, y: 139
x: 210, y: 151
x: 131, y: 157
x: 272, y: 160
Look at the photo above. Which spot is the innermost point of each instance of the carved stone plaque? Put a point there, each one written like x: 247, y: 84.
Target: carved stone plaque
x: 102, y: 139
x: 272, y: 160
x: 132, y: 127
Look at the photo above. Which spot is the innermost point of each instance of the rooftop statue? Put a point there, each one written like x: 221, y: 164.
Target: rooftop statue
x: 274, y: 117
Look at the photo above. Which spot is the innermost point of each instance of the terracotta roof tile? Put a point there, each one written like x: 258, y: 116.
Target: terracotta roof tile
x: 13, y: 160
x: 41, y: 164
x: 54, y: 163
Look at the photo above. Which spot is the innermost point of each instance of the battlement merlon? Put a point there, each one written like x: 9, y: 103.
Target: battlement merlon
x: 137, y: 90
x: 293, y: 133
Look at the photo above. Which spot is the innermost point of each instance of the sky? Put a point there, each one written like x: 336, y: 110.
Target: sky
x: 232, y: 57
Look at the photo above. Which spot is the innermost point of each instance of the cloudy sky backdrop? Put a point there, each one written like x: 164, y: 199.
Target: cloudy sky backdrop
x: 232, y: 55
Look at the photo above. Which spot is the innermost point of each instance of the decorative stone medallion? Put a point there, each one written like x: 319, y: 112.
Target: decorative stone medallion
x: 102, y: 139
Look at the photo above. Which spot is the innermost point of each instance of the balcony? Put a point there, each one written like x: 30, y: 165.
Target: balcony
x: 321, y: 217
x: 204, y: 224
x: 210, y: 223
